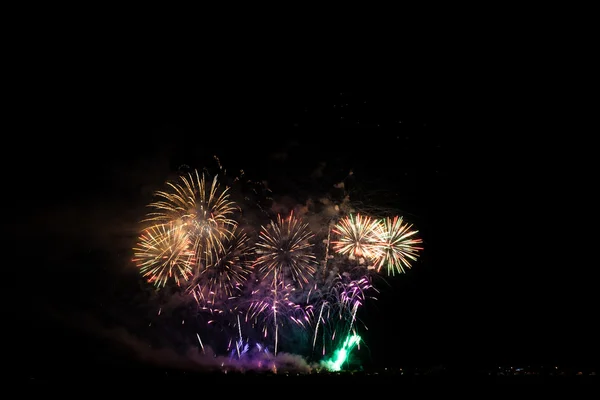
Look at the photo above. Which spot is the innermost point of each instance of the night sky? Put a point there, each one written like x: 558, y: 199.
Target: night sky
x: 499, y: 280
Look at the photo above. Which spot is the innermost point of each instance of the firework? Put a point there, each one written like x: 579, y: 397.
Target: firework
x: 202, y: 208
x: 352, y: 294
x: 274, y: 309
x: 222, y: 280
x: 396, y: 246
x: 265, y: 280
x: 358, y: 237
x: 335, y: 313
x: 164, y: 252
x: 285, y: 251
x: 341, y: 355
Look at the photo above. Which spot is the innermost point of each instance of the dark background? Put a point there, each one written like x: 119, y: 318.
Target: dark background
x: 479, y: 168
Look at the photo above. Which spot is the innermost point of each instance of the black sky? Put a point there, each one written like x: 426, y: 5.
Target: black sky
x: 498, y: 281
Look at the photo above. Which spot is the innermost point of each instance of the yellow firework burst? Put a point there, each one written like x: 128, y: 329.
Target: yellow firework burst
x: 164, y: 252
x: 202, y: 208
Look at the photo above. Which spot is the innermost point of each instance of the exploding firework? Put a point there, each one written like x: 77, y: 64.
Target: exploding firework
x: 285, y: 252
x: 202, y: 208
x: 358, y: 237
x: 222, y: 281
x: 396, y: 246
x: 164, y: 252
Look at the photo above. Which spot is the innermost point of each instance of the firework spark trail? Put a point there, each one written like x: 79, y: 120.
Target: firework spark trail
x: 327, y: 243
x: 285, y: 251
x: 274, y: 306
x: 240, y: 334
x: 319, y: 318
x: 200, y: 341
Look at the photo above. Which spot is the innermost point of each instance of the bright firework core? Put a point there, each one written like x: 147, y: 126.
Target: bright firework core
x: 270, y: 283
